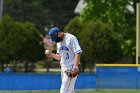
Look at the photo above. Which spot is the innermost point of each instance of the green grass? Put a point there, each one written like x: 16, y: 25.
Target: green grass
x: 78, y: 91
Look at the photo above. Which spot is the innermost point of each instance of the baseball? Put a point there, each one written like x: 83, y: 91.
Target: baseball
x: 47, y: 51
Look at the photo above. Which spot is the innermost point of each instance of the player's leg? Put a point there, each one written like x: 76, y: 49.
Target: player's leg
x: 71, y: 85
x: 64, y: 82
x: 68, y: 83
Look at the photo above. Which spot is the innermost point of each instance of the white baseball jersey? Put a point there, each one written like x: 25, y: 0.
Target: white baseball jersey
x: 67, y: 49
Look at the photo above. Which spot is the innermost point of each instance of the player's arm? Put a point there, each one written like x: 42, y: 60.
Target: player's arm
x: 77, y: 60
x: 49, y: 53
x: 56, y: 56
x: 75, y: 70
x: 77, y: 50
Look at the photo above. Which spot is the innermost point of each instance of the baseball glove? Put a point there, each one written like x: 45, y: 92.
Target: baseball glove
x: 72, y: 73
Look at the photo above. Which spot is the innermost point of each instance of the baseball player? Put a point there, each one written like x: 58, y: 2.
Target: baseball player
x: 68, y: 52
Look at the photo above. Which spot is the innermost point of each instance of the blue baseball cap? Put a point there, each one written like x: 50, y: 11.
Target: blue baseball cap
x: 53, y: 33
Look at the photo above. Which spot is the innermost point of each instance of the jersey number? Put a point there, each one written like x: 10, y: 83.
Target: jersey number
x: 67, y: 56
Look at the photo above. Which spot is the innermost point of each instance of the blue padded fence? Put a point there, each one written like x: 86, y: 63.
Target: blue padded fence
x: 106, y: 78
x: 117, y: 77
x: 30, y: 81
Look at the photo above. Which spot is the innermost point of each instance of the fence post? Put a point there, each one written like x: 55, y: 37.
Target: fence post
x: 138, y: 33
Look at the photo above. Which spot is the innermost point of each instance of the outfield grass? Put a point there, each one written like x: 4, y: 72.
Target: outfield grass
x: 78, y: 91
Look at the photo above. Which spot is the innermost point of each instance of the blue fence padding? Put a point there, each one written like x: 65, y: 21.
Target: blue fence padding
x: 29, y: 81
x: 118, y: 77
x: 86, y: 81
x: 138, y: 79
x: 14, y: 81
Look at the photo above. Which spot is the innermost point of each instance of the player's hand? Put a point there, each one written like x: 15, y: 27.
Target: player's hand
x: 48, y: 53
x: 75, y: 71
x: 72, y: 73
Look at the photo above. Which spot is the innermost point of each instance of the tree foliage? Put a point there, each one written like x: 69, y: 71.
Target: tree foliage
x: 19, y: 41
x: 120, y: 13
x: 74, y: 26
x: 42, y: 13
x: 100, y: 43
x: 26, y: 10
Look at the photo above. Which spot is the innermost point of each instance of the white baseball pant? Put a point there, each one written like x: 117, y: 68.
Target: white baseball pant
x: 68, y: 83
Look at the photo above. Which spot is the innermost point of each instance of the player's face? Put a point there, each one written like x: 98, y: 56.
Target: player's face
x: 59, y: 37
